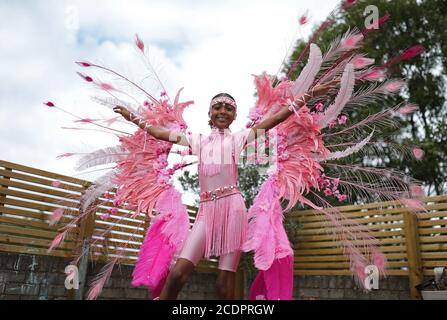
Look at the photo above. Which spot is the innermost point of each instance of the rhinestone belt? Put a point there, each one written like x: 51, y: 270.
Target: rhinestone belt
x: 218, y: 193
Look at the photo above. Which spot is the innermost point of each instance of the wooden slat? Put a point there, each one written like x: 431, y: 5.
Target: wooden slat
x: 426, y: 223
x: 32, y: 250
x: 433, y: 247
x: 340, y: 265
x: 434, y: 264
x: 99, y: 229
x: 431, y: 215
x: 334, y: 258
x: 373, y: 205
x: 40, y: 190
x: 385, y: 249
x: 426, y: 231
x: 29, y: 205
x: 299, y: 272
x: 433, y: 255
x: 27, y: 241
x: 378, y: 213
x: 378, y: 235
x: 114, y: 235
x: 44, y: 217
x: 116, y: 219
x: 28, y: 223
x: 329, y: 244
x: 396, y: 218
x: 38, y: 172
x: 34, y: 232
x: 433, y: 239
x: 39, y: 180
x: 330, y: 229
x: 351, y: 215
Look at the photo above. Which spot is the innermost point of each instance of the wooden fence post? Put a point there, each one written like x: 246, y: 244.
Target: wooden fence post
x: 416, y: 275
x: 84, y: 237
x: 3, y: 196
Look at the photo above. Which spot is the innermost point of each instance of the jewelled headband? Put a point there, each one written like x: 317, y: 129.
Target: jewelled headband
x: 223, y: 99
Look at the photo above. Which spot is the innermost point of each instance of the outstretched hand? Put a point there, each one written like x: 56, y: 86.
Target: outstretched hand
x: 322, y: 89
x: 124, y: 112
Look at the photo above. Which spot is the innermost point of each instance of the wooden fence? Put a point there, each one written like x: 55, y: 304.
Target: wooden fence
x: 28, y: 197
x: 413, y: 244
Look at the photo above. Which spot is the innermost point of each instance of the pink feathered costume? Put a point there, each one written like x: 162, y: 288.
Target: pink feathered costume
x: 221, y: 222
x: 306, y: 172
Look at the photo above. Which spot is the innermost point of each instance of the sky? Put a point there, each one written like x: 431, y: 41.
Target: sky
x: 206, y: 47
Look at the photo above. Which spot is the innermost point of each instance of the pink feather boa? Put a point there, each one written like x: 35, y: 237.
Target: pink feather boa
x: 267, y: 238
x: 164, y: 238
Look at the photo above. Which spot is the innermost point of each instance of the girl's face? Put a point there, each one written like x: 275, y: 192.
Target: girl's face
x: 222, y: 115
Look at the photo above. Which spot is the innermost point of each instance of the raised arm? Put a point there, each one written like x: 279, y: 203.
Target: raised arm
x: 285, y: 112
x: 157, y: 133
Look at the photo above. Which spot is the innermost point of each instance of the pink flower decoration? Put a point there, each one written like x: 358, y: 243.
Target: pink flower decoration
x: 336, y: 182
x: 341, y: 197
x: 328, y: 192
x: 139, y: 43
x: 418, y: 153
x: 85, y: 77
x: 342, y: 119
x: 332, y: 124
x: 163, y: 93
x: 319, y: 106
x: 114, y: 210
x: 104, y: 216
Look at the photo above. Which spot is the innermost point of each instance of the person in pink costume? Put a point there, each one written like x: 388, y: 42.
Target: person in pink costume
x: 221, y: 224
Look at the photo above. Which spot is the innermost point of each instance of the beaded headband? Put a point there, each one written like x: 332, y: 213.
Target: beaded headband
x: 223, y: 99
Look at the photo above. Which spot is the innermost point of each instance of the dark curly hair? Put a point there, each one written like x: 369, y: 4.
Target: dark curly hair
x: 222, y: 94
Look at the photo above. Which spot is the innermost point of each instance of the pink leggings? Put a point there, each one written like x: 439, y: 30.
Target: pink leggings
x: 194, y: 248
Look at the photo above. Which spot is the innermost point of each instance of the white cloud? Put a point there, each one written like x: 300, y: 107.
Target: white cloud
x: 205, y: 46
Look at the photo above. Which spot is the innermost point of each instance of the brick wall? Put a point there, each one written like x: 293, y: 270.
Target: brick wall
x: 33, y: 277
x: 344, y: 287
x: 25, y: 277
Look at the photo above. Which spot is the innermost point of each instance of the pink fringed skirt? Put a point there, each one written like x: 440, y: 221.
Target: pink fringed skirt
x: 225, y: 224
